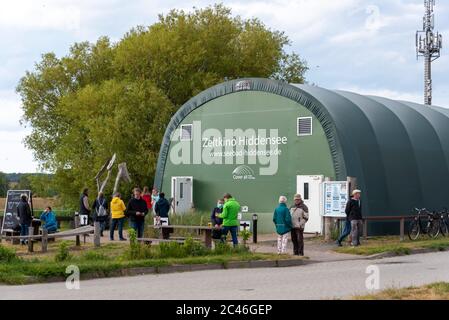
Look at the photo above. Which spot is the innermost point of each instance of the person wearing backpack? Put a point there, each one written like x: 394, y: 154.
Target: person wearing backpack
x: 100, y: 208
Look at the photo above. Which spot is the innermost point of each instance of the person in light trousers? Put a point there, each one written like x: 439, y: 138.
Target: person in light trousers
x: 283, y: 222
x: 354, y: 214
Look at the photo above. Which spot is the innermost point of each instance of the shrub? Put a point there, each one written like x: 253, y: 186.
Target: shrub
x: 194, y: 248
x: 137, y: 250
x: 94, y: 256
x: 222, y: 248
x: 171, y: 250
x: 63, y: 253
x: 7, y: 255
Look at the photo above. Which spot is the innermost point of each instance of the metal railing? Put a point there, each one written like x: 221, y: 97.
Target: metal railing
x: 367, y: 219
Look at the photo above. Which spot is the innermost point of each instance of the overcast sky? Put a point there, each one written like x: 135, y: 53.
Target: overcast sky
x: 357, y: 45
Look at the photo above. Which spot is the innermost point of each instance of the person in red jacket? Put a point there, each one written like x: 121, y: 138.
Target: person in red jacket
x: 146, y: 195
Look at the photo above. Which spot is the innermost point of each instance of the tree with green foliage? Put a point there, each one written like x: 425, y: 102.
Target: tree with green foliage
x: 105, y: 98
x: 3, y: 184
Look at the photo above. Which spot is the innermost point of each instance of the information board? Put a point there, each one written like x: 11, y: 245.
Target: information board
x: 336, y: 196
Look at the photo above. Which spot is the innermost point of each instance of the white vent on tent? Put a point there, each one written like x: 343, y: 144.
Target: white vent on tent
x: 304, y: 126
x: 186, y: 132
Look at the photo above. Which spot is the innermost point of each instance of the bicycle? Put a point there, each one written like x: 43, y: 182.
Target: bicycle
x: 416, y: 227
x: 444, y: 222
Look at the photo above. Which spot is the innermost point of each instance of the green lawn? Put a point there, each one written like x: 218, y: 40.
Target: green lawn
x: 393, y: 244
x: 19, y: 267
x: 435, y: 291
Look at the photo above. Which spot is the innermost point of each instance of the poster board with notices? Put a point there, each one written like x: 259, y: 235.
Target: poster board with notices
x: 336, y: 195
x: 11, y: 220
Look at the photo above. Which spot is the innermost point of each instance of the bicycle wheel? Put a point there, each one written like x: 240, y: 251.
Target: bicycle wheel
x: 433, y: 228
x: 414, y: 230
x: 444, y: 228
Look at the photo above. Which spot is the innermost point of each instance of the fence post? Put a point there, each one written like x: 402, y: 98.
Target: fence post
x: 365, y: 229
x: 402, y: 227
x: 77, y: 224
x: 97, y: 232
x: 30, y: 242
x: 44, y: 240
x: 327, y: 228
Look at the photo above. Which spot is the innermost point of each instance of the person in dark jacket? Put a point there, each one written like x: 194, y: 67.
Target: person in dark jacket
x: 216, y: 220
x: 136, y: 211
x: 354, y: 215
x: 25, y: 215
x: 84, y: 203
x: 100, y: 208
x: 162, y: 208
x: 300, y: 215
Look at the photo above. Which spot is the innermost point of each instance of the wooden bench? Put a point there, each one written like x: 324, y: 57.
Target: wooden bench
x: 11, y: 233
x: 45, y: 236
x: 207, y: 231
x: 151, y: 240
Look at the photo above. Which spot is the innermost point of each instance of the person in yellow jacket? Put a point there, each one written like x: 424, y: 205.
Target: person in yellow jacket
x: 118, y: 216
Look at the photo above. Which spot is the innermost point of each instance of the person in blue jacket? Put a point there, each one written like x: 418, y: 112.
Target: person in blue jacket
x: 48, y: 219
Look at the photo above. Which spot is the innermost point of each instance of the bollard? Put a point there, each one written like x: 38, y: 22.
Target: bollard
x: 44, y: 240
x: 97, y: 232
x: 255, y: 217
x: 402, y: 228
x: 77, y: 224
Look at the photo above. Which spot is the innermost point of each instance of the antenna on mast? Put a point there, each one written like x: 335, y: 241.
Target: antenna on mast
x: 428, y: 45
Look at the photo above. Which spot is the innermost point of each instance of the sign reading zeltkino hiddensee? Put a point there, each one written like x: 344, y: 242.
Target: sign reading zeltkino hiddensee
x: 251, y: 146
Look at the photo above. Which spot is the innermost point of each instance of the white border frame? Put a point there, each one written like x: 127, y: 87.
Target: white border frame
x: 297, y: 127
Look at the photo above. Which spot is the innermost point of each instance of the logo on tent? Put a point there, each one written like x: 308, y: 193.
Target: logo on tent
x: 243, y: 173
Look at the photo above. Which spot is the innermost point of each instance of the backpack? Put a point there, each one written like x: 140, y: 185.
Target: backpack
x: 101, y: 210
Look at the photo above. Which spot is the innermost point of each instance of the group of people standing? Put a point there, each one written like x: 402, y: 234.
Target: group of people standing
x: 224, y: 218
x: 291, y: 221
x: 354, y: 220
x: 25, y: 214
x: 138, y: 207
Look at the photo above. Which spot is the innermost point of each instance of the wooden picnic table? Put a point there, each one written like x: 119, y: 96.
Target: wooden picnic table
x: 203, y: 229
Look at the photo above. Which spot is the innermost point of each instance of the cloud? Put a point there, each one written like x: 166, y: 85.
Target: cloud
x: 13, y: 156
x: 302, y: 20
x: 383, y: 92
x: 363, y: 46
x: 27, y: 14
x: 11, y: 111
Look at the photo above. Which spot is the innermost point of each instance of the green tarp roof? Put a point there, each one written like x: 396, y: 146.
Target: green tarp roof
x: 398, y: 151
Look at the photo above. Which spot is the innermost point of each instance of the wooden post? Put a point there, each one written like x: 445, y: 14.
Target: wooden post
x: 30, y: 242
x: 44, y: 240
x: 97, y: 233
x: 208, y: 238
x: 77, y: 224
x: 327, y: 228
x: 402, y: 227
x: 365, y: 229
